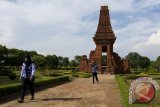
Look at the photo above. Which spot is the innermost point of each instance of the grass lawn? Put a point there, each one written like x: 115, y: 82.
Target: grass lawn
x: 4, y: 80
x: 124, y: 85
x: 8, y: 86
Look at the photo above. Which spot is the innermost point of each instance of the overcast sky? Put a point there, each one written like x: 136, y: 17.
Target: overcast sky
x: 66, y: 27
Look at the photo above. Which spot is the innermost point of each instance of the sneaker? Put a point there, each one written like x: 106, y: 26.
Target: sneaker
x: 20, y: 101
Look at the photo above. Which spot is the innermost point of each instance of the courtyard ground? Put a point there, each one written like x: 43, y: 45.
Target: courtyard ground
x: 79, y: 93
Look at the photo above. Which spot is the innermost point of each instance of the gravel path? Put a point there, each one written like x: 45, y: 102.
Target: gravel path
x: 78, y: 93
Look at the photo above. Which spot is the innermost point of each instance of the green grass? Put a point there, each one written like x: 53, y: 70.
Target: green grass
x: 124, y: 92
x: 84, y: 74
x: 16, y: 87
x: 6, y: 80
x: 70, y: 73
x: 48, y: 74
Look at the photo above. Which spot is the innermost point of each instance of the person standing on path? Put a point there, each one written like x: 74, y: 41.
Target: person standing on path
x: 94, y: 68
x: 27, y: 77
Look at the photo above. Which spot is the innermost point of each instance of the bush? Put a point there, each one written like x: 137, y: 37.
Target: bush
x: 13, y: 88
x: 75, y: 70
x: 67, y: 72
x: 10, y: 89
x: 137, y: 72
x: 12, y: 76
x: 75, y: 75
x: 131, y: 77
x: 55, y: 74
x: 135, y: 76
x: 143, y: 75
x: 153, y: 73
x: 68, y: 68
x: 5, y: 72
x: 85, y: 76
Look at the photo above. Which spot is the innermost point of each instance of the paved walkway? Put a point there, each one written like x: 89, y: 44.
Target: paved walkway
x: 78, y: 93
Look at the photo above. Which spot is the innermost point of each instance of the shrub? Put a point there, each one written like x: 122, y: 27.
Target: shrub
x: 5, y: 72
x: 13, y: 88
x: 131, y: 77
x: 12, y: 76
x: 67, y: 72
x: 51, y: 81
x: 55, y: 74
x: 75, y: 75
x: 85, y: 76
x: 154, y: 73
x: 10, y: 89
x: 143, y: 75
x: 135, y: 76
x: 75, y: 70
x: 137, y: 72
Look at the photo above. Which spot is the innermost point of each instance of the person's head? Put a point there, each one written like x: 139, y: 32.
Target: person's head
x: 27, y: 58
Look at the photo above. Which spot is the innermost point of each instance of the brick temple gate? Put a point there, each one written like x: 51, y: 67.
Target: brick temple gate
x: 104, y: 40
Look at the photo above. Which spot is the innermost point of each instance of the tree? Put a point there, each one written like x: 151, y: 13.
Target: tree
x: 144, y: 62
x: 52, y: 61
x: 104, y: 60
x: 3, y: 52
x: 158, y: 58
x: 157, y: 63
x: 60, y: 60
x: 55, y: 61
x: 39, y: 60
x: 77, y: 58
x: 73, y: 63
x: 65, y: 62
x: 134, y: 59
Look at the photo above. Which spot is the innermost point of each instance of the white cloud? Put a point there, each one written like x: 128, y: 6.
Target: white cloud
x: 151, y: 46
x: 118, y: 5
x: 147, y: 3
x: 57, y: 26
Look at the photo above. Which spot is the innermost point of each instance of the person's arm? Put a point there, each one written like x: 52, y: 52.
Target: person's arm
x: 33, y: 69
x: 22, y: 70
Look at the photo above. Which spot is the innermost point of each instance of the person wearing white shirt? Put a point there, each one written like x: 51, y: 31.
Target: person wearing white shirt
x: 27, y: 77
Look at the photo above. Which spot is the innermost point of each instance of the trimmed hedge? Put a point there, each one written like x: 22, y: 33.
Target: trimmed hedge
x: 5, y: 72
x: 154, y: 73
x: 13, y: 88
x: 135, y: 76
x: 85, y: 76
x: 75, y: 75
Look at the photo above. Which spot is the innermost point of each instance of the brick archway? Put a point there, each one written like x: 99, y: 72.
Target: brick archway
x: 104, y: 39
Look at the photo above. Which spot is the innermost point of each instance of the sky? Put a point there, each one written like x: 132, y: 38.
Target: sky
x: 66, y: 27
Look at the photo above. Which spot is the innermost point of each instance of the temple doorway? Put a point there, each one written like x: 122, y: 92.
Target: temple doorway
x: 104, y: 60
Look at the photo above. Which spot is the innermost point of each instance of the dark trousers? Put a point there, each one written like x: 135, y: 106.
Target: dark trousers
x: 26, y: 81
x: 94, y: 75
